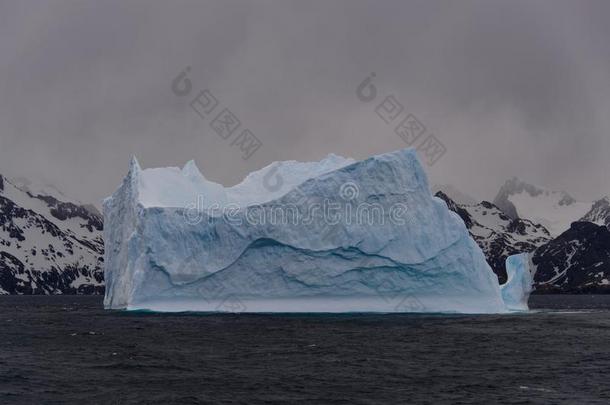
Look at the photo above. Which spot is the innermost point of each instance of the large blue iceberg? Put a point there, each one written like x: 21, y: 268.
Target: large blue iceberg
x: 332, y: 236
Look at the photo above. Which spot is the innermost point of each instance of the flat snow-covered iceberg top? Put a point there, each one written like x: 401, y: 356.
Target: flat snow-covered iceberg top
x: 332, y: 236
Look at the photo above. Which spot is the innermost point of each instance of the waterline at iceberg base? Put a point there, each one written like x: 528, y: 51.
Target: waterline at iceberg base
x: 332, y: 236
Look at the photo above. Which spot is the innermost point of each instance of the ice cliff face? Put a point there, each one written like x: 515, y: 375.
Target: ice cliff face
x: 329, y: 236
x: 518, y: 286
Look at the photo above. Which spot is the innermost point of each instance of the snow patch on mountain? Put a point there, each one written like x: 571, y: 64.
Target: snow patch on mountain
x: 498, y: 235
x: 555, y: 210
x: 599, y: 213
x: 47, y: 246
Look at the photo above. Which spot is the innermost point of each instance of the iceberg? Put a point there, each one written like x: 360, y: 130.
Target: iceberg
x: 518, y: 286
x: 337, y: 235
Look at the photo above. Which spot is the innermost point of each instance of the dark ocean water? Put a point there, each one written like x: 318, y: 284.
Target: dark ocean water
x: 57, y: 350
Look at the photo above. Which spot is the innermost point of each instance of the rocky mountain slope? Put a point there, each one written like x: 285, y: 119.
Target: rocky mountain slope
x: 599, y: 213
x: 576, y: 261
x: 48, y: 246
x: 498, y: 235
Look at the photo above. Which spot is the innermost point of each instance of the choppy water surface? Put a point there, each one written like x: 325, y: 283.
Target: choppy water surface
x: 69, y: 350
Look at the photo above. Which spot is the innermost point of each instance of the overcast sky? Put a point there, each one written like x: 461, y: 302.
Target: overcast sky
x: 511, y: 88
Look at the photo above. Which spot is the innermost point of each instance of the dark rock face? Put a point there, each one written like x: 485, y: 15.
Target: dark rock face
x: 16, y: 279
x: 63, y: 211
x: 577, y: 261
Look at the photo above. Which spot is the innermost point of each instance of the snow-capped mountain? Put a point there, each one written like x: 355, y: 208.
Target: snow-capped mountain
x: 578, y: 261
x: 555, y: 210
x: 47, y: 246
x: 599, y: 213
x: 40, y: 188
x: 498, y: 235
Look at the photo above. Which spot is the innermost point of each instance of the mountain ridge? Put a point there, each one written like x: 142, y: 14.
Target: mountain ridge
x: 48, y: 246
x: 497, y: 234
x: 555, y: 210
x: 576, y: 261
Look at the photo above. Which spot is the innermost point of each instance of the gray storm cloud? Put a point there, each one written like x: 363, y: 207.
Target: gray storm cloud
x: 510, y: 88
